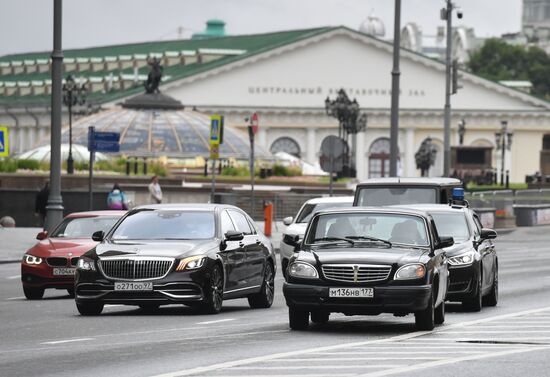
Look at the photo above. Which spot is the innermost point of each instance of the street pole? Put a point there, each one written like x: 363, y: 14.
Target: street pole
x: 394, y: 128
x: 331, y: 163
x: 70, y: 162
x: 54, y: 207
x: 252, y: 178
x: 503, y: 149
x: 447, y: 110
x: 213, y: 184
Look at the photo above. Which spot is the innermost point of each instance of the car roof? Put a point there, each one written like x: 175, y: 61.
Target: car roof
x: 109, y: 213
x: 432, y: 207
x: 436, y: 181
x: 391, y: 209
x: 207, y: 207
x: 331, y: 199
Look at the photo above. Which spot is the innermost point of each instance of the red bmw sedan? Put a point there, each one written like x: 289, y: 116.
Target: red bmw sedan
x: 51, y: 263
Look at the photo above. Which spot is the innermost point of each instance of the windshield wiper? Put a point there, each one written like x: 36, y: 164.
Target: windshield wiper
x: 367, y: 238
x: 336, y: 239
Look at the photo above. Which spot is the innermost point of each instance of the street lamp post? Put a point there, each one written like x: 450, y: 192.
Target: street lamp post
x: 395, y: 73
x: 503, y: 141
x: 350, y: 120
x: 73, y: 94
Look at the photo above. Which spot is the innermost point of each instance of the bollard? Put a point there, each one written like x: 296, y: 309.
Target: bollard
x: 127, y: 167
x: 136, y: 166
x: 507, y: 179
x: 268, y: 218
x: 144, y: 166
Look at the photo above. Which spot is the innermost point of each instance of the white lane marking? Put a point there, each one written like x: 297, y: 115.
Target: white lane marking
x: 416, y: 334
x: 366, y: 352
x: 13, y: 277
x: 15, y: 298
x: 367, y: 358
x: 498, y: 332
x: 217, y: 321
x: 431, y: 364
x: 316, y: 367
x: 67, y: 341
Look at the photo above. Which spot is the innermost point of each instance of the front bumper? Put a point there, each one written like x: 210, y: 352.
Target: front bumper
x: 462, y: 282
x: 41, y: 276
x: 387, y: 299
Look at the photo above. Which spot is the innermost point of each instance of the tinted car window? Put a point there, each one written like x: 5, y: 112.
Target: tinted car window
x: 390, y: 227
x: 226, y: 222
x: 452, y: 225
x: 383, y: 196
x: 166, y: 225
x: 83, y: 227
x: 310, y: 209
x: 241, y: 222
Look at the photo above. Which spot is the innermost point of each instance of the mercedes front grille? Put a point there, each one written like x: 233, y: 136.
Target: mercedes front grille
x: 135, y: 268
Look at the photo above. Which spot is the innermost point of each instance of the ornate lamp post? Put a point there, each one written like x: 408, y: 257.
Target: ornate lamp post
x: 350, y: 120
x: 73, y: 94
x: 503, y: 140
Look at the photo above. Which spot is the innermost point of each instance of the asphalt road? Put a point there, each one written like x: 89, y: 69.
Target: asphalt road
x: 48, y: 337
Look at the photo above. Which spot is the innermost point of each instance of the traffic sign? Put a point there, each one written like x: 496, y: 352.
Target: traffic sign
x: 254, y: 123
x: 103, y: 141
x: 216, y: 129
x: 214, y: 151
x: 4, y: 142
x: 332, y: 147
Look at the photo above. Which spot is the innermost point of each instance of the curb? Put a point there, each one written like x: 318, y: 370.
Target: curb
x: 10, y: 261
x: 505, y: 231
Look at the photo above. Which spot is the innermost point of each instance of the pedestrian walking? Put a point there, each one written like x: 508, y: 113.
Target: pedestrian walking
x: 41, y: 202
x: 117, y: 199
x: 155, y: 190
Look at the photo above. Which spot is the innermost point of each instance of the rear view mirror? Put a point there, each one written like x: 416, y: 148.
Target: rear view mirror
x: 291, y: 240
x: 445, y: 242
x: 288, y: 220
x: 98, y: 236
x: 488, y: 234
x: 233, y: 235
x: 42, y: 235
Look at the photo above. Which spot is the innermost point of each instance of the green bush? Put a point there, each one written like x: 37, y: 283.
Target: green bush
x: 157, y: 168
x: 8, y: 165
x: 28, y: 164
x: 283, y: 171
x: 236, y: 171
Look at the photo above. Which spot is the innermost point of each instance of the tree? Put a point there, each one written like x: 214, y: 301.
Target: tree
x: 497, y: 60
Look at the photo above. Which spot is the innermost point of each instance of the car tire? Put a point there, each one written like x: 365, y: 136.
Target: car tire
x: 475, y: 303
x: 298, y: 319
x: 33, y: 293
x: 492, y: 298
x: 213, y: 293
x: 425, y: 319
x: 264, y: 299
x: 70, y: 291
x: 320, y: 317
x: 89, y: 308
x: 439, y: 314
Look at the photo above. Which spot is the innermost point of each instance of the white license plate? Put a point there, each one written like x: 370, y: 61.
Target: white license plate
x: 64, y: 271
x: 351, y: 292
x: 134, y: 286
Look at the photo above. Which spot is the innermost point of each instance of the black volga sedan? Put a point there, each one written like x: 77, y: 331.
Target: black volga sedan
x: 367, y: 261
x: 193, y: 254
x: 473, y: 262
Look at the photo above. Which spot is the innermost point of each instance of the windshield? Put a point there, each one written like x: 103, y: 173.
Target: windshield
x: 309, y: 210
x: 384, y: 196
x: 395, y: 228
x: 83, y: 227
x: 452, y: 225
x: 166, y: 225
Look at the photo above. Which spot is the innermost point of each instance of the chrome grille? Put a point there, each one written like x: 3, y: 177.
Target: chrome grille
x: 135, y: 268
x: 56, y: 261
x: 356, y: 273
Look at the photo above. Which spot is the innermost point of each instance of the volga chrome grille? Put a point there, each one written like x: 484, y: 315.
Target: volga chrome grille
x: 135, y: 268
x: 358, y: 273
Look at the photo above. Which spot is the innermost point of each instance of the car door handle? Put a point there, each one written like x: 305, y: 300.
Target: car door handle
x: 241, y: 244
x: 258, y: 242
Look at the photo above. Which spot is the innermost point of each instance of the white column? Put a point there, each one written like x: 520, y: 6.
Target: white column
x: 361, y: 158
x: 311, y: 148
x: 262, y: 137
x: 409, y: 163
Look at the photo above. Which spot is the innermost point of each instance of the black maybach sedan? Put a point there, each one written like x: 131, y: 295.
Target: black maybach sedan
x: 473, y: 260
x: 192, y: 254
x: 367, y: 261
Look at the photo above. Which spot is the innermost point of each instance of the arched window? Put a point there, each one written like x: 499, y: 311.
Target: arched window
x: 286, y: 144
x: 379, y: 158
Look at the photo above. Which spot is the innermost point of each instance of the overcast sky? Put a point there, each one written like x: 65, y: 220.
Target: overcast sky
x: 27, y: 24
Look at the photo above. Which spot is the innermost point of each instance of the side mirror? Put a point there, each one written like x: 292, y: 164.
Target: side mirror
x: 98, y: 236
x: 42, y: 235
x: 288, y: 220
x: 488, y: 234
x: 445, y: 242
x: 291, y: 240
x: 233, y: 235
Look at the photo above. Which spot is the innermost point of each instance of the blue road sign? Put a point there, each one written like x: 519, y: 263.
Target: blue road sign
x: 4, y: 149
x: 103, y: 141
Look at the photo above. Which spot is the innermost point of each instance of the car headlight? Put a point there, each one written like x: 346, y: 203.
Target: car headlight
x: 462, y: 259
x: 302, y: 270
x: 411, y: 271
x: 191, y: 263
x: 31, y: 259
x: 85, y: 264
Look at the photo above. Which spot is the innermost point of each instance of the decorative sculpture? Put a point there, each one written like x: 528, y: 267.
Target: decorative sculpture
x: 154, y: 76
x: 425, y: 156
